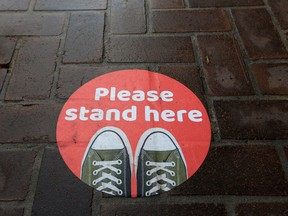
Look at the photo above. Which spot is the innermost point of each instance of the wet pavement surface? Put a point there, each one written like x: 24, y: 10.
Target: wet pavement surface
x: 231, y: 54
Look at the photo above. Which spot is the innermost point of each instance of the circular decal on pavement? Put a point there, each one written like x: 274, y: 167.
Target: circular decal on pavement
x: 133, y: 133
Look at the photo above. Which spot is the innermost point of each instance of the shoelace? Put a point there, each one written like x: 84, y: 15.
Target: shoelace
x: 157, y: 167
x: 107, y: 165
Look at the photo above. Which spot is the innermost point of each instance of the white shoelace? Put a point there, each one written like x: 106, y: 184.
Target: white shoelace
x: 159, y: 166
x: 108, y: 165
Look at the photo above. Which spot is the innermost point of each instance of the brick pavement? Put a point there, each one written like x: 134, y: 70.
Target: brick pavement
x: 232, y: 54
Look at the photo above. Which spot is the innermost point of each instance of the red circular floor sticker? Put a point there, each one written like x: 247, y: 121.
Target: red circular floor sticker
x: 133, y: 133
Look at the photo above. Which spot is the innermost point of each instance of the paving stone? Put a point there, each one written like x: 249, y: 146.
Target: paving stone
x: 224, y: 3
x: 71, y: 78
x: 190, y: 21
x: 128, y: 16
x: 238, y: 170
x: 31, y: 24
x: 188, y: 76
x: 252, y: 119
x: 32, y: 75
x: 163, y: 209
x: 150, y: 49
x: 223, y: 66
x: 58, y: 191
x: 280, y: 9
x: 30, y: 123
x: 262, y: 209
x: 3, y: 73
x: 14, y: 5
x: 258, y: 33
x: 70, y: 4
x: 167, y: 4
x: 11, y: 211
x: 272, y: 78
x: 84, y: 42
x: 15, y: 174
x: 7, y: 46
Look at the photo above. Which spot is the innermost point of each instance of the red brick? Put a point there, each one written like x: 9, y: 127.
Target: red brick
x: 11, y: 211
x: 272, y: 78
x: 15, y: 174
x: 128, y: 16
x: 72, y: 78
x: 258, y: 33
x: 280, y: 9
x: 70, y: 4
x: 224, y: 3
x: 224, y: 68
x: 262, y: 209
x: 3, y: 73
x: 150, y: 49
x: 32, y: 74
x: 190, y: 21
x: 252, y: 119
x: 14, y: 4
x: 31, y: 123
x: 238, y: 170
x: 31, y: 24
x: 58, y: 191
x: 84, y: 42
x: 163, y: 209
x: 7, y: 46
x: 167, y: 4
x: 188, y: 76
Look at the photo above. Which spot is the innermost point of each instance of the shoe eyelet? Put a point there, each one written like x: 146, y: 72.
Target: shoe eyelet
x: 120, y: 192
x: 94, y: 182
x: 173, y: 164
x: 148, y: 173
x: 94, y: 163
x: 173, y: 183
x: 119, y: 162
x: 95, y: 172
x: 147, y: 193
x: 147, y: 163
x: 118, y: 171
x: 172, y: 173
x: 119, y: 182
x: 148, y: 183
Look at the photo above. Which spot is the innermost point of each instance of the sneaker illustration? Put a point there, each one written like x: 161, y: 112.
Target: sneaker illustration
x: 106, y: 164
x: 159, y: 163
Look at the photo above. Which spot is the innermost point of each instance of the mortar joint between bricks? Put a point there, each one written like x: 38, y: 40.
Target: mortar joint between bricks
x: 106, y: 34
x: 243, y: 53
x: 9, y: 71
x: 33, y: 183
x: 276, y: 24
x: 148, y: 17
x: 283, y: 159
x: 32, y: 5
x: 211, y: 111
x: 59, y: 57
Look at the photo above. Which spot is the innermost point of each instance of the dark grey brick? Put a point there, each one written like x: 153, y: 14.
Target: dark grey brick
x: 31, y: 24
x: 15, y: 174
x: 31, y: 123
x: 33, y: 71
x: 84, y: 42
x: 58, y: 191
x: 7, y: 46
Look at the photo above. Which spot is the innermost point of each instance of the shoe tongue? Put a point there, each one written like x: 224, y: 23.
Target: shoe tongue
x: 109, y: 155
x: 159, y: 156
